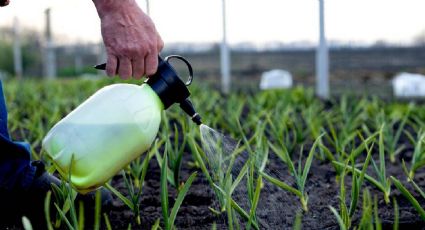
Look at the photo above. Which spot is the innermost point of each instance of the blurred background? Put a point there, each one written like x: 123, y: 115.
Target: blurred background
x: 360, y: 45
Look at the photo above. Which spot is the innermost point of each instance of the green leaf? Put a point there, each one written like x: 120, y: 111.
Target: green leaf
x: 419, y: 190
x: 338, y: 218
x: 409, y: 196
x: 378, y: 225
x: 242, y: 213
x: 164, y: 192
x: 358, y: 181
x: 124, y: 199
x: 107, y: 222
x: 97, y: 210
x: 47, y: 210
x: 156, y: 225
x: 81, y: 216
x: 62, y: 214
x: 239, y: 177
x: 382, y: 155
x: 308, y: 162
x: 396, y: 215
x: 180, y: 198
x: 367, y: 177
x: 170, y: 174
x: 282, y: 185
x: 255, y: 201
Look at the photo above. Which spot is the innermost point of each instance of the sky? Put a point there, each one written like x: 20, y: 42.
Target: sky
x: 255, y: 21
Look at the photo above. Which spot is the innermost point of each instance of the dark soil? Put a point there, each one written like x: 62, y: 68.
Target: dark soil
x: 277, y: 208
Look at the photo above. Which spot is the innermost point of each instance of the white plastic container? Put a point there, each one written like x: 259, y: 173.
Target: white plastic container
x: 409, y: 85
x: 276, y: 79
x: 111, y: 128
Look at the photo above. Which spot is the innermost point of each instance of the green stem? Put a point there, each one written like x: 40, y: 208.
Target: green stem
x: 304, y: 203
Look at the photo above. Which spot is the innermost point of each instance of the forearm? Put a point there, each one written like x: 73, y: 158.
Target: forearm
x: 105, y: 7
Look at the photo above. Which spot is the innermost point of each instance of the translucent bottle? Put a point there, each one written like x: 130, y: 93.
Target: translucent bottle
x: 114, y: 126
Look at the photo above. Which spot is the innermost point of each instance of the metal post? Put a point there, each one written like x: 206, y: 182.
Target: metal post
x: 225, y: 55
x: 322, y: 56
x: 78, y: 60
x: 17, y: 53
x: 49, y: 52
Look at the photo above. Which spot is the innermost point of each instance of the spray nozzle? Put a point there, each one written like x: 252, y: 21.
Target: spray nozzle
x: 187, y: 106
x: 169, y: 86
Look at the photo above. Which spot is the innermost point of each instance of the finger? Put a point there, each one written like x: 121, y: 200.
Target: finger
x: 160, y: 44
x: 111, y: 65
x: 138, y: 67
x: 124, y: 68
x: 151, y: 64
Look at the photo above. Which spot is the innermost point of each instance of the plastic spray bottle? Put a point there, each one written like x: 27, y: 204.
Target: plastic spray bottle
x: 115, y: 125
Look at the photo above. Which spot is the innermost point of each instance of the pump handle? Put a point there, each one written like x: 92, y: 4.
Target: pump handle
x: 189, y: 67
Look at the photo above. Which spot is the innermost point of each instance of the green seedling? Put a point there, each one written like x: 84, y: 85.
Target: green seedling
x: 378, y: 224
x: 67, y: 211
x: 138, y: 166
x: 223, y: 196
x: 135, y: 193
x: 370, y: 218
x: 383, y: 180
x: 300, y: 173
x: 170, y: 217
x: 257, y: 162
x: 282, y: 133
x: 392, y: 134
x: 418, y: 157
x: 366, y: 221
x: 344, y: 217
x: 355, y: 152
x: 65, y: 197
x: 175, y: 151
x: 383, y: 183
x: 342, y: 124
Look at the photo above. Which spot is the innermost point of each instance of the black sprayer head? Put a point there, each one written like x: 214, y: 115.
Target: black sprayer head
x: 170, y: 88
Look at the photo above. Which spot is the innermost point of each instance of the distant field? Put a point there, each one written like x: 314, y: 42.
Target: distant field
x: 361, y: 69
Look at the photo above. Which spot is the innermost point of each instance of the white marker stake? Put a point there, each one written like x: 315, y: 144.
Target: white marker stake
x: 17, y: 53
x: 322, y: 63
x: 49, y: 50
x: 225, y: 56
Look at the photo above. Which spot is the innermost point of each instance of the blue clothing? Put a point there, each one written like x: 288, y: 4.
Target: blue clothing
x: 16, y: 170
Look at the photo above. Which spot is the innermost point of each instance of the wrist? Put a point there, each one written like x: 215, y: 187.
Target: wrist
x: 105, y: 7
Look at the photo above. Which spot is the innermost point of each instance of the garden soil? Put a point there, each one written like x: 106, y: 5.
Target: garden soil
x: 277, y: 209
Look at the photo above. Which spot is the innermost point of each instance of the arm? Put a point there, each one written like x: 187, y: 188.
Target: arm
x: 131, y: 40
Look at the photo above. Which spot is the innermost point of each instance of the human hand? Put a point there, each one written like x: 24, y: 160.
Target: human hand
x: 131, y: 39
x: 4, y: 2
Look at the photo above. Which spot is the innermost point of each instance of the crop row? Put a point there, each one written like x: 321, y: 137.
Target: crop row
x: 356, y: 136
